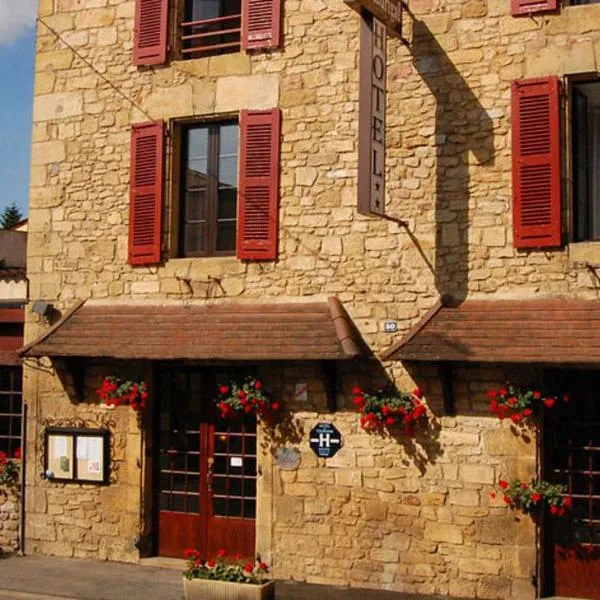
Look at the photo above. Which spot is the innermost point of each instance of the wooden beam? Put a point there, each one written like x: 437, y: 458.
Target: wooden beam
x: 331, y: 387
x: 76, y: 368
x: 446, y: 379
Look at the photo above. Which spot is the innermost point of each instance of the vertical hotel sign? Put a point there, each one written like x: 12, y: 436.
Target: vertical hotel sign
x: 378, y: 19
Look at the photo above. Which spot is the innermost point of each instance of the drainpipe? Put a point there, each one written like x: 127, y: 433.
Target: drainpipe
x: 21, y: 534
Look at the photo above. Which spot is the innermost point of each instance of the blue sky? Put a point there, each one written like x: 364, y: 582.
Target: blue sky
x: 17, y: 51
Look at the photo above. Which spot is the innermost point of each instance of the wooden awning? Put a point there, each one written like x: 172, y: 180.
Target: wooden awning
x: 226, y: 331
x: 544, y: 331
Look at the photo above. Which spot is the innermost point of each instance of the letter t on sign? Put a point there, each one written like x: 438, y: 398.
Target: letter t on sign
x: 371, y: 125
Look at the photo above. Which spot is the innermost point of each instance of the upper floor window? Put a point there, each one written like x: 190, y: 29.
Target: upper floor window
x: 220, y: 204
x: 211, y: 27
x: 209, y: 189
x: 204, y: 28
x: 585, y: 154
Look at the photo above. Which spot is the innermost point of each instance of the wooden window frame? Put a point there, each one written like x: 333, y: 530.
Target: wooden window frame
x: 567, y: 135
x: 231, y: 23
x: 14, y: 438
x: 178, y: 191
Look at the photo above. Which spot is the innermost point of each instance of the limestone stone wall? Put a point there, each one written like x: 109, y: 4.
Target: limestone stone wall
x: 82, y: 520
x: 388, y: 521
x: 405, y: 514
x: 9, y: 519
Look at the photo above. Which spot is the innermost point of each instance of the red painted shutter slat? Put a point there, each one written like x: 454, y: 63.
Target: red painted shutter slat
x: 146, y: 193
x: 528, y: 7
x: 536, y: 163
x: 259, y: 184
x: 261, y: 24
x: 151, y: 32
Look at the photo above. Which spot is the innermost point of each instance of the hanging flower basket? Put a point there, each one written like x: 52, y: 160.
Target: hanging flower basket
x: 518, y: 404
x: 9, y: 470
x: 389, y: 408
x: 533, y: 497
x: 245, y: 398
x: 225, y: 578
x: 119, y: 392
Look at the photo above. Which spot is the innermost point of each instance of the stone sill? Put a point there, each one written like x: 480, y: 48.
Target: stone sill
x: 584, y: 253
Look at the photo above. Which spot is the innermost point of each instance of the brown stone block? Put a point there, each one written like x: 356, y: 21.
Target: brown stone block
x: 96, y: 17
x: 498, y: 530
x: 443, y: 532
x: 493, y: 588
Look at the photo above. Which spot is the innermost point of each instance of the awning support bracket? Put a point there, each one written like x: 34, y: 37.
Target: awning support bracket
x: 331, y: 384
x: 447, y: 381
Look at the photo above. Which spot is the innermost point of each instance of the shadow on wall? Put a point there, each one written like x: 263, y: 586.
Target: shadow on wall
x: 462, y: 127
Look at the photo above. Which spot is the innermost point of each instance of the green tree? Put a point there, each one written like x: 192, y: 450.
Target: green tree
x: 10, y: 216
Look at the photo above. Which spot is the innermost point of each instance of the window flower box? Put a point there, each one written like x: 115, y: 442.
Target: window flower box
x: 206, y: 589
x: 225, y: 578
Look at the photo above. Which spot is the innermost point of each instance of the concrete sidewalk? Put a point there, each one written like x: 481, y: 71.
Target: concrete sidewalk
x: 50, y: 578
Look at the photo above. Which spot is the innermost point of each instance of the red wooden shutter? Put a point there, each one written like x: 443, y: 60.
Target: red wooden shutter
x: 536, y: 163
x: 261, y: 24
x: 151, y: 32
x: 528, y: 7
x: 259, y: 184
x: 146, y: 193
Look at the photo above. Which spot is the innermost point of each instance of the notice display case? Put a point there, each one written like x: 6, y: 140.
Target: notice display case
x: 77, y: 455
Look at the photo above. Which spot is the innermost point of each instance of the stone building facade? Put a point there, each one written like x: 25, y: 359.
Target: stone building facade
x: 392, y: 513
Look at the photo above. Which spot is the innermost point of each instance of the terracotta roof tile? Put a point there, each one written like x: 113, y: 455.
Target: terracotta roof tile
x: 544, y: 331
x: 242, y: 331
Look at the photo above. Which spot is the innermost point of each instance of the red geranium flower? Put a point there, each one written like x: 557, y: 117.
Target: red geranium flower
x: 211, y: 564
x: 223, y: 389
x: 356, y: 391
x: 222, y: 553
x: 248, y: 567
x: 549, y: 402
x: 417, y: 393
x: 537, y: 395
x: 535, y: 497
x: 503, y: 484
x: 275, y: 406
x: 257, y: 385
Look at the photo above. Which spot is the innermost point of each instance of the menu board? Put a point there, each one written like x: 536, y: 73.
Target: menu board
x: 77, y: 455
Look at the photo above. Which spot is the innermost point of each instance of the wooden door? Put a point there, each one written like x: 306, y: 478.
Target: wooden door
x: 206, y: 476
x: 573, y: 458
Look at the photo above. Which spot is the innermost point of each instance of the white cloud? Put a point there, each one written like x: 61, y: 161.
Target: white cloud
x: 15, y: 17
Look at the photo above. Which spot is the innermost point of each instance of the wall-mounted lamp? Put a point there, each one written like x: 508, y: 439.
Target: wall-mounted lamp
x: 43, y: 308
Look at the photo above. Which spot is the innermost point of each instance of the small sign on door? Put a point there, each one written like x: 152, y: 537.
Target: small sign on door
x: 236, y: 461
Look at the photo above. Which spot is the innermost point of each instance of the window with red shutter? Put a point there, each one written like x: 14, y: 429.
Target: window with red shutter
x: 528, y: 7
x: 261, y: 24
x: 536, y: 163
x: 146, y: 193
x: 151, y: 32
x: 258, y: 184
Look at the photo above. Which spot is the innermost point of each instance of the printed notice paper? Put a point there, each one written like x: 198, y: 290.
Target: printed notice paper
x: 95, y: 449
x: 60, y: 446
x: 82, y: 448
